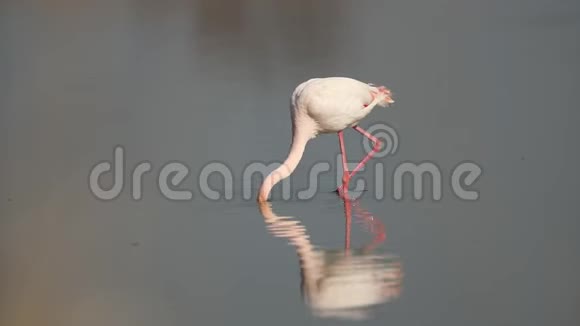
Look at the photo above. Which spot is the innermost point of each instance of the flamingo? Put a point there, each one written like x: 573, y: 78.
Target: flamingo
x: 328, y: 105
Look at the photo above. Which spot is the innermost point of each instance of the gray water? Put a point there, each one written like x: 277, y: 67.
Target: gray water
x: 492, y: 82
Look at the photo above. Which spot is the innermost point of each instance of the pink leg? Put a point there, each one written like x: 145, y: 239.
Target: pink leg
x: 376, y: 147
x: 345, y: 174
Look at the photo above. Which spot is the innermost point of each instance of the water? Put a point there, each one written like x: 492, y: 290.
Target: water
x: 208, y: 81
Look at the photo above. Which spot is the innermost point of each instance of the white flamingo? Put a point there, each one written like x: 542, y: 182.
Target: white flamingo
x: 328, y: 105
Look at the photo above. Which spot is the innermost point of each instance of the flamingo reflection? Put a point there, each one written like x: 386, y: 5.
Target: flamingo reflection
x: 341, y: 283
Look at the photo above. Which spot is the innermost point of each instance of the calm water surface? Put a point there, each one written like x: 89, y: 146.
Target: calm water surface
x: 493, y: 82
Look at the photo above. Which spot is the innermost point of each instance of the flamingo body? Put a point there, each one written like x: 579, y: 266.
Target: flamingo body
x: 327, y: 105
x: 333, y: 103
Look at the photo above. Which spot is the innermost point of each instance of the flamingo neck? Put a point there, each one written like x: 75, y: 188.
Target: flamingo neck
x: 299, y: 140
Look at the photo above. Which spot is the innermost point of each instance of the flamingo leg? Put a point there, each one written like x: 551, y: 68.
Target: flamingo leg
x: 376, y: 148
x: 345, y: 175
x: 343, y: 192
